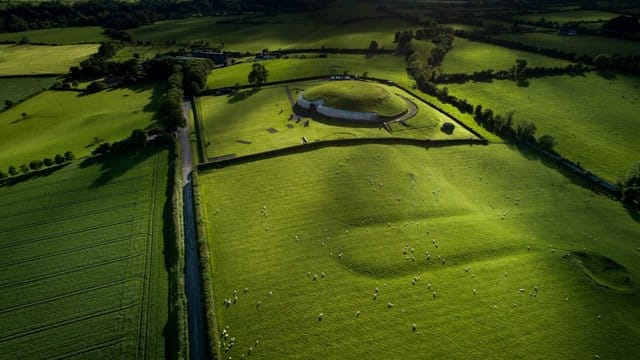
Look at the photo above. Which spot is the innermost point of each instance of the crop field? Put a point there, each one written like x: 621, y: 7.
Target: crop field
x: 38, y: 59
x: 82, y: 268
x: 58, y: 121
x: 469, y: 56
x: 18, y: 88
x: 581, y: 44
x: 240, y: 124
x: 63, y: 36
x: 602, y: 135
x: 569, y: 16
x: 386, y: 67
x: 292, y: 33
x: 400, y: 252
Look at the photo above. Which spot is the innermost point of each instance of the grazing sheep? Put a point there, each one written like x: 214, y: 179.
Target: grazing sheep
x: 246, y: 290
x: 258, y: 304
x: 413, y: 326
x: 270, y: 293
x: 389, y: 305
x: 358, y: 313
x: 434, y: 295
x: 320, y: 317
x: 315, y: 277
x: 474, y: 291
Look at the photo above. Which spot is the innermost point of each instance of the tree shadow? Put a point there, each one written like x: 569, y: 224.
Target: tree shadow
x: 607, y: 74
x: 32, y: 175
x: 241, y: 95
x: 113, y: 166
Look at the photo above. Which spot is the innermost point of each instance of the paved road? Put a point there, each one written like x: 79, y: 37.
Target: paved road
x: 193, y: 285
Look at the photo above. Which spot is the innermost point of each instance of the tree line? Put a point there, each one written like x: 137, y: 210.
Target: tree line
x: 36, y: 165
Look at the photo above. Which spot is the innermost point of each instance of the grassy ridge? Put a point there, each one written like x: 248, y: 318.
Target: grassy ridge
x: 230, y: 128
x: 358, y: 96
x: 379, y: 66
x: 83, y: 270
x: 602, y: 135
x: 60, y: 121
x: 469, y: 56
x: 581, y: 44
x: 69, y: 35
x: 36, y: 59
x: 349, y: 220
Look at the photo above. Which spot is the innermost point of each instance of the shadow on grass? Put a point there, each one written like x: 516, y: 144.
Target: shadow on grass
x: 633, y: 212
x: 113, y: 166
x: 607, y: 74
x: 32, y: 175
x: 241, y: 95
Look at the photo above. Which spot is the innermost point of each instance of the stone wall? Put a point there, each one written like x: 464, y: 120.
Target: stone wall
x: 337, y: 113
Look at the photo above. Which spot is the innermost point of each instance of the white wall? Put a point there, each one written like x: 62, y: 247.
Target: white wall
x: 337, y: 113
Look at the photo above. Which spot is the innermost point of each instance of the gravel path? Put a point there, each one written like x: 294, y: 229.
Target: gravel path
x: 193, y: 285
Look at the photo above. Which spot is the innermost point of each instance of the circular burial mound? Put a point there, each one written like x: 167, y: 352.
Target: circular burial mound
x: 354, y: 99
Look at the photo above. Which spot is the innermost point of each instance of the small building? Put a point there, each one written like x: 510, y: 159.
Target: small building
x: 447, y: 128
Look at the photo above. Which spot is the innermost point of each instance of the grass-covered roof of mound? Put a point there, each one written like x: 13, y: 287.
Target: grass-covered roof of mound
x: 358, y: 96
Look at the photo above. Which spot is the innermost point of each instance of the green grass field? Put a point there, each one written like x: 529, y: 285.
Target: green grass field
x: 381, y: 66
x: 82, y: 267
x: 469, y: 56
x: 70, y: 35
x: 37, y: 59
x: 581, y: 44
x: 336, y: 254
x: 293, y: 32
x: 602, y: 134
x: 239, y: 124
x: 16, y: 89
x: 358, y: 96
x: 568, y: 16
x: 59, y: 121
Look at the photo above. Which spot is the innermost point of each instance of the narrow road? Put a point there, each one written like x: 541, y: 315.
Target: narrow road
x: 193, y: 283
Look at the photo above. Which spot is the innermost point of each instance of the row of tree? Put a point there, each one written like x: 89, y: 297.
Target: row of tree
x: 138, y: 139
x: 36, y: 165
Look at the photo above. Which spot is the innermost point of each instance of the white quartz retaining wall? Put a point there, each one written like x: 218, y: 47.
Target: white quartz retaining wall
x: 337, y: 113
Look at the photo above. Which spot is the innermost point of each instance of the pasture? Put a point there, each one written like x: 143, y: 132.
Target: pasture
x: 38, y: 59
x: 59, y: 36
x: 240, y: 124
x: 304, y: 31
x: 82, y: 267
x: 58, y: 121
x: 387, y: 67
x: 469, y: 56
x: 400, y: 252
x: 580, y: 44
x: 602, y: 135
x: 568, y: 16
x: 18, y: 88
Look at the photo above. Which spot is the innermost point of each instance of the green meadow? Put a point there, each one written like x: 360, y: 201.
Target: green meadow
x: 38, y: 59
x: 57, y: 121
x: 568, y: 16
x: 82, y: 269
x: 386, y: 67
x: 404, y: 252
x: 63, y: 36
x: 602, y: 135
x: 292, y: 32
x: 228, y: 127
x: 360, y: 96
x: 18, y: 88
x: 580, y: 44
x: 469, y: 56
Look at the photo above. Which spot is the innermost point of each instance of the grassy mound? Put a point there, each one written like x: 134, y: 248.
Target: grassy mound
x: 602, y: 270
x: 358, y: 96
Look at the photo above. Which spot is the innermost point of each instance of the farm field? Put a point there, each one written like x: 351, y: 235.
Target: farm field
x: 18, y: 88
x: 38, y: 59
x: 228, y: 128
x: 58, y: 121
x: 82, y: 268
x: 601, y: 135
x: 392, y: 251
x: 291, y: 33
x: 469, y: 56
x: 387, y: 67
x: 581, y: 44
x: 569, y: 16
x: 62, y: 36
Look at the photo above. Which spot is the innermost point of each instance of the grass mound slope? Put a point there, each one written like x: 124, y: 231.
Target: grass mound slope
x: 358, y: 96
x: 602, y: 270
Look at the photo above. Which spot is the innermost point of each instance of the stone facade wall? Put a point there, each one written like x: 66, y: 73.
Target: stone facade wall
x: 337, y: 113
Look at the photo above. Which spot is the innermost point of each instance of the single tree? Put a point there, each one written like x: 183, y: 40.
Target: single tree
x: 13, y: 171
x: 8, y: 103
x: 35, y: 165
x: 24, y: 168
x: 373, y: 46
x: 47, y: 162
x: 59, y: 159
x: 3, y: 175
x: 258, y: 74
x: 69, y: 156
x: 547, y: 142
x: 631, y: 185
